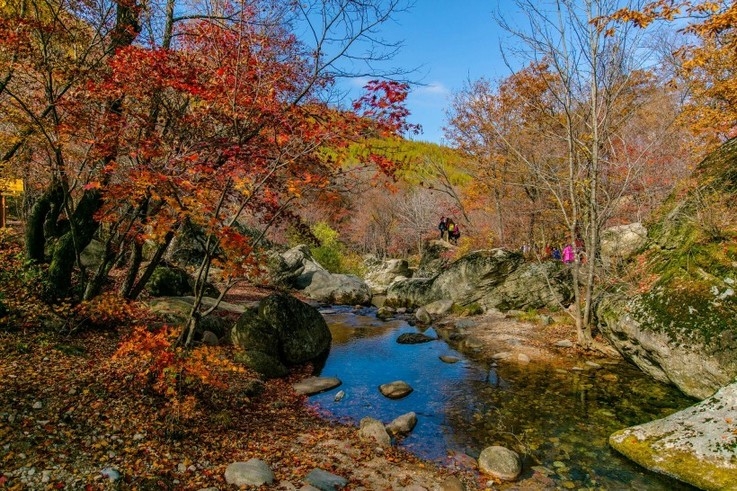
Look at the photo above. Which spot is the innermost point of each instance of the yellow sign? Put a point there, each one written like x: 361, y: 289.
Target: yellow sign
x: 11, y: 186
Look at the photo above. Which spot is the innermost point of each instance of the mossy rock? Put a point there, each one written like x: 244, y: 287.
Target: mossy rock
x: 168, y: 281
x: 696, y: 445
x: 684, y: 303
x: 253, y: 333
x: 283, y: 331
x: 262, y: 363
x: 302, y: 331
x: 171, y: 281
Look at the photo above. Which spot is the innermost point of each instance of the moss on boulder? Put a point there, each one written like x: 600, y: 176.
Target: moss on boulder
x: 681, y: 304
x: 696, y: 445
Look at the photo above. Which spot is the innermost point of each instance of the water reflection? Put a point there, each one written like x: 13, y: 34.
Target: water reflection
x: 558, y: 419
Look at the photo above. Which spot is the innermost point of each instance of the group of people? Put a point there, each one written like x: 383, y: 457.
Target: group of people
x: 567, y: 255
x: 449, y: 230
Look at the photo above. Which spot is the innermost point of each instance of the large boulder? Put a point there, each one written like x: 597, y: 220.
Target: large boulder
x: 620, y: 242
x: 491, y: 279
x: 434, y: 259
x: 340, y: 289
x: 176, y: 311
x: 475, y: 275
x: 412, y: 292
x: 282, y: 332
x: 678, y: 321
x: 297, y: 268
x: 302, y: 331
x: 532, y: 285
x: 172, y: 281
x: 696, y: 445
x: 667, y: 349
x: 379, y: 277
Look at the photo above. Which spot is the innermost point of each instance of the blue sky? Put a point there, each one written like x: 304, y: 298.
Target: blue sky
x: 451, y: 42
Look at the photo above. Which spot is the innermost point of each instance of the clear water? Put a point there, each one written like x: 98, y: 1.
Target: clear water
x: 558, y: 419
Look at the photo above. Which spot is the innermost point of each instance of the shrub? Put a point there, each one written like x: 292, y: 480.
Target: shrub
x: 331, y: 252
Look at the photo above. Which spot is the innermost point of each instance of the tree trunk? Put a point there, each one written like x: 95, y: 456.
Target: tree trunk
x: 71, y: 244
x: 130, y: 278
x: 137, y: 289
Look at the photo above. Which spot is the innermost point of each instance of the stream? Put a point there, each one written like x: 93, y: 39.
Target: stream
x: 558, y: 420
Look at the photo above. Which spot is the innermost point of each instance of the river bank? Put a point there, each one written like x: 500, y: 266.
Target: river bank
x: 69, y: 419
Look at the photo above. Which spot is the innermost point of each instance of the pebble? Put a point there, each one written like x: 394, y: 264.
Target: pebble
x: 38, y: 405
x: 110, y: 473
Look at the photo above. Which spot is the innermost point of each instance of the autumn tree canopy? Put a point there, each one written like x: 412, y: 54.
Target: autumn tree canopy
x: 134, y: 120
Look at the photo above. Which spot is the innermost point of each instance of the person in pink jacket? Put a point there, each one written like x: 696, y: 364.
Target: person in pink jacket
x: 568, y: 254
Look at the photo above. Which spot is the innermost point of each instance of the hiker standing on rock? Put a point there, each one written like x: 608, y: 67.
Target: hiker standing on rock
x: 443, y: 227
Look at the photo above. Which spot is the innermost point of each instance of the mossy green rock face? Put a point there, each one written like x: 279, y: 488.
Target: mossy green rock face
x: 169, y: 282
x: 679, y: 322
x: 302, y: 331
x: 283, y: 331
x: 697, y: 445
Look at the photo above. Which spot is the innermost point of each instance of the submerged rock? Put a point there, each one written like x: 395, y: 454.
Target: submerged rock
x: 500, y: 462
x: 696, y: 445
x: 395, y: 390
x: 414, y: 338
x: 449, y: 359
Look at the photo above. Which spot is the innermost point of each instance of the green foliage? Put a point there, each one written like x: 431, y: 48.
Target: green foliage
x: 412, y: 158
x: 529, y: 315
x: 687, y: 282
x: 467, y: 310
x: 326, y: 235
x: 332, y: 254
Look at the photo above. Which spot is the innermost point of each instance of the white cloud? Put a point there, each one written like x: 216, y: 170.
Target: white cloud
x: 433, y: 89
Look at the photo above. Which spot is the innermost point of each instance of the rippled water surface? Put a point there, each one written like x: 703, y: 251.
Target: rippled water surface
x: 560, y: 418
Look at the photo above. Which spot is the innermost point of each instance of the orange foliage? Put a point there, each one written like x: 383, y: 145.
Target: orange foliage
x: 176, y: 373
x: 707, y: 66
